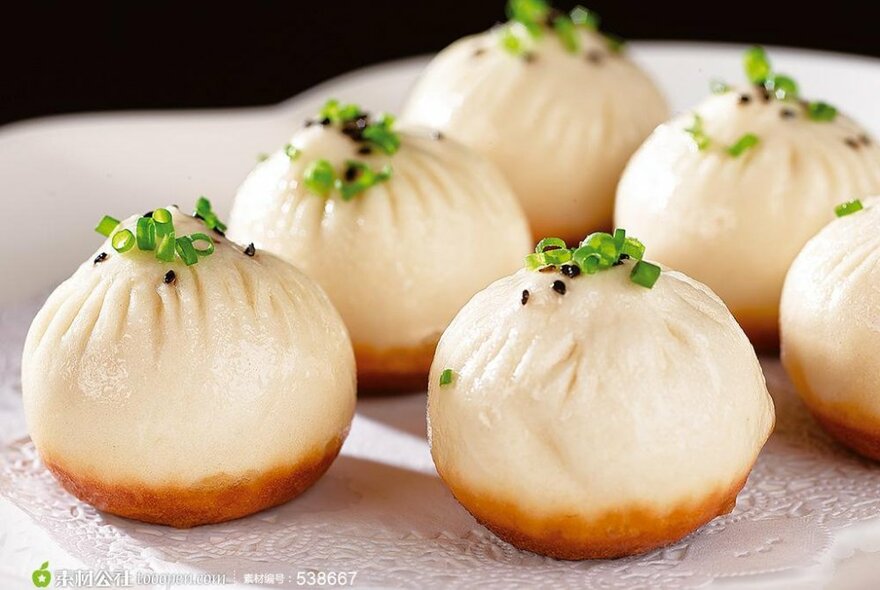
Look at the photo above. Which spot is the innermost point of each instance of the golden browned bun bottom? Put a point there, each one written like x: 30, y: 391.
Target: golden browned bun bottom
x: 393, y: 370
x: 847, y: 423
x: 629, y: 530
x: 762, y: 328
x: 214, y: 499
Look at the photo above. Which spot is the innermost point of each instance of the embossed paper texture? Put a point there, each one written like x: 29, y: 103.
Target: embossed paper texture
x: 382, y: 511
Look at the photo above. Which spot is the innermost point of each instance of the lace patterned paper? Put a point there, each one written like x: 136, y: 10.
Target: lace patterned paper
x: 382, y: 511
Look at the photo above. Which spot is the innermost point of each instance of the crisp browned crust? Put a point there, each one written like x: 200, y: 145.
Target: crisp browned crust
x: 394, y: 370
x: 628, y: 530
x: 762, y: 328
x: 845, y: 422
x: 214, y: 499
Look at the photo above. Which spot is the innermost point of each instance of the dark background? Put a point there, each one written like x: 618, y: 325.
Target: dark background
x: 73, y: 56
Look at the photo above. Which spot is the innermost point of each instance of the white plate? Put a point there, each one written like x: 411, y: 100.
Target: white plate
x: 59, y: 175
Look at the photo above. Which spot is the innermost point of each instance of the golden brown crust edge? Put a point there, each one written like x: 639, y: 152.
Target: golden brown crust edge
x: 761, y: 328
x: 212, y: 500
x: 848, y: 424
x: 394, y: 370
x: 629, y: 530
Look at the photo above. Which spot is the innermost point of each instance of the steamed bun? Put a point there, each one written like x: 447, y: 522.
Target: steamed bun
x: 185, y: 395
x: 830, y: 328
x: 736, y: 222
x: 585, y: 416
x: 434, y: 225
x: 559, y: 114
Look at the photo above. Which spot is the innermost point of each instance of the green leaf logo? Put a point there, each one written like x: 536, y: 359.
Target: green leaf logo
x: 42, y: 577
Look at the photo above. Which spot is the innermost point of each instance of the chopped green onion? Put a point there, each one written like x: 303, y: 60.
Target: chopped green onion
x: 123, y: 241
x: 586, y: 258
x: 106, y: 226
x: 746, y: 142
x: 166, y: 247
x: 204, y: 250
x: 756, y: 65
x: 558, y: 256
x: 205, y: 212
x: 633, y: 248
x: 821, y: 111
x: 446, y: 377
x: 584, y: 17
x: 698, y: 134
x: 535, y: 261
x: 510, y: 42
x: 567, y: 33
x: 146, y: 234
x: 718, y: 87
x: 848, y: 208
x: 619, y: 239
x: 162, y: 222
x: 186, y: 251
x: 550, y: 243
x: 615, y: 44
x: 292, y: 152
x: 337, y: 112
x: 319, y: 177
x: 381, y: 135
x: 363, y: 178
x: 530, y: 13
x: 645, y: 274
x: 782, y: 87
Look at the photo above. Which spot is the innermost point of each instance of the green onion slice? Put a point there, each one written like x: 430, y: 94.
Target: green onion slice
x: 446, y: 377
x: 292, y: 152
x: 166, y: 246
x: 756, y: 65
x: 821, y: 111
x: 633, y: 248
x: 123, y: 241
x: 535, y: 261
x: 319, y: 177
x: 206, y: 250
x: 106, y: 226
x: 645, y: 274
x: 567, y: 33
x: 782, y: 87
x: 146, y: 233
x: 848, y: 208
x: 558, y: 256
x: 698, y: 134
x: 550, y: 243
x: 746, y: 142
x: 186, y: 251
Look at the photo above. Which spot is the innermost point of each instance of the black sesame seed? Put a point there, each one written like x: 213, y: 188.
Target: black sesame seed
x: 744, y: 99
x: 351, y: 173
x: 595, y: 56
x: 765, y: 94
x: 148, y: 214
x: 325, y: 121
x: 365, y: 150
x: 170, y: 277
x: 559, y: 287
x: 250, y: 250
x: 787, y: 114
x: 437, y: 135
x: 219, y: 232
x: 623, y: 257
x: 101, y: 257
x: 525, y: 296
x: 851, y: 143
x: 310, y: 122
x: 570, y: 270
